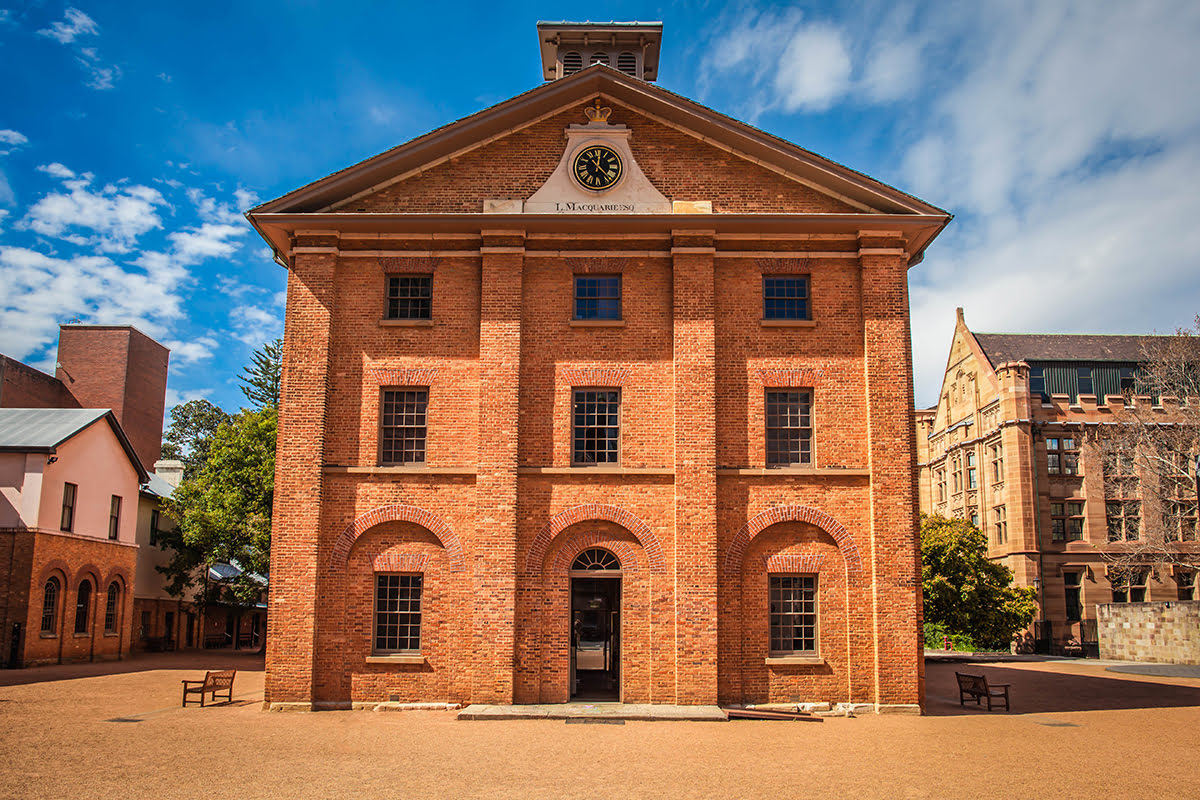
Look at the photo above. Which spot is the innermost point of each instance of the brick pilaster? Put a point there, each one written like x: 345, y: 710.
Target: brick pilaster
x: 695, y: 470
x: 495, y: 566
x: 299, y: 454
x: 895, y: 555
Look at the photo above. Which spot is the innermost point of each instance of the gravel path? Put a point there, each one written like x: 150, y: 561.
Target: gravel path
x: 1075, y: 730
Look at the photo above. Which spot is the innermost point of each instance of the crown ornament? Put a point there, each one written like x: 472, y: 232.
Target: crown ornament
x: 598, y: 113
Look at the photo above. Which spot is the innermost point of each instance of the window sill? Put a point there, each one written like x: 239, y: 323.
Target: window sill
x: 398, y: 470
x: 789, y: 323
x: 794, y: 661
x: 111, y: 635
x: 822, y: 472
x: 592, y: 470
x: 406, y: 323
x: 596, y: 323
x: 44, y: 635
x: 83, y: 635
x: 414, y: 658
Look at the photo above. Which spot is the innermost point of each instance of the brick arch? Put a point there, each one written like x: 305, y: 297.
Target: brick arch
x: 595, y: 511
x: 807, y: 514
x: 59, y: 567
x: 624, y: 551
x: 398, y: 513
x: 85, y: 571
x: 118, y: 574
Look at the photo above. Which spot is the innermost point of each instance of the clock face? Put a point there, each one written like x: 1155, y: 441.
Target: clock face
x: 597, y: 167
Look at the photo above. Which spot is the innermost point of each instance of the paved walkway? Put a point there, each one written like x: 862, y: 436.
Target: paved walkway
x: 117, y: 731
x: 595, y: 711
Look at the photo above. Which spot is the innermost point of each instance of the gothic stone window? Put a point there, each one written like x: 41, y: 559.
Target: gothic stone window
x: 1073, y: 587
x: 397, y: 613
x: 1066, y: 521
x: 1062, y: 455
x: 793, y: 614
x: 1129, y: 585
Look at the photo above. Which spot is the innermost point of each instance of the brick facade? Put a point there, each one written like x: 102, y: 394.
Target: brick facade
x: 495, y: 516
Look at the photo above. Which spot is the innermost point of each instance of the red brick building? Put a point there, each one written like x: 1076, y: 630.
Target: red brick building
x: 596, y: 393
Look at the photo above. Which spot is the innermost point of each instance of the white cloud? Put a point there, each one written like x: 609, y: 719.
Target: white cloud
x: 244, y: 199
x: 211, y: 210
x: 11, y: 137
x: 100, y: 77
x: 3, y: 215
x: 814, y: 70
x: 210, y: 240
x: 118, y: 215
x: 56, y: 170
x: 175, y: 396
x: 74, y: 24
x: 254, y: 325
x: 6, y: 193
x: 192, y: 350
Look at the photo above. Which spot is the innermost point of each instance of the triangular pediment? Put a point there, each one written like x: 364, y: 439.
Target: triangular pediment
x: 687, y: 151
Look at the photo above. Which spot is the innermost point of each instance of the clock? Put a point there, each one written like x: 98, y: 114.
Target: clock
x: 597, y: 167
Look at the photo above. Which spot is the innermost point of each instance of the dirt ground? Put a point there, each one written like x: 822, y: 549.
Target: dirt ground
x: 1075, y: 730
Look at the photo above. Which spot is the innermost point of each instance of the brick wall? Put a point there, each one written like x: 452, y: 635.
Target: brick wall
x: 23, y: 386
x: 1167, y: 632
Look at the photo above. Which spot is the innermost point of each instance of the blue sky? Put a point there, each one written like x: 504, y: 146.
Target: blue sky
x: 1064, y: 136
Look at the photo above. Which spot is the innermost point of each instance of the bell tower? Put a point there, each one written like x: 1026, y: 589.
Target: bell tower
x: 568, y: 47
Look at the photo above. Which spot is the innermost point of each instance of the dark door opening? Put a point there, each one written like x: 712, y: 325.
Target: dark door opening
x: 595, y: 638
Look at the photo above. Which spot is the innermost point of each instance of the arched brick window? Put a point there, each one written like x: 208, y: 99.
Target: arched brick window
x: 50, y: 606
x: 82, y: 604
x: 596, y: 559
x: 111, y: 607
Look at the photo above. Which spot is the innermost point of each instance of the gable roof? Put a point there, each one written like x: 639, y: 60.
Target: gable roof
x: 42, y: 430
x: 1002, y: 347
x: 326, y: 196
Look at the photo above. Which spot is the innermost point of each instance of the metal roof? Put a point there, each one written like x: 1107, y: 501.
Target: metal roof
x: 34, y: 430
x: 159, y: 487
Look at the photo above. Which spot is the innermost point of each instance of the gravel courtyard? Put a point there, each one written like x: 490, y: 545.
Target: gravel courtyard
x: 1075, y: 730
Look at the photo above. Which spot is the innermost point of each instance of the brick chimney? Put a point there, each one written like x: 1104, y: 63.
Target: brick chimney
x: 118, y: 367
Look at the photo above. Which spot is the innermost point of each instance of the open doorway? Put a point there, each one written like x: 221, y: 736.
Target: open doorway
x: 596, y: 626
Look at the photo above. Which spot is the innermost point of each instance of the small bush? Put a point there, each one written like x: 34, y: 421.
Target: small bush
x: 934, y: 631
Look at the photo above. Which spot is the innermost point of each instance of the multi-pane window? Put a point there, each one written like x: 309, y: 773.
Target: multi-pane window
x: 111, y: 607
x: 50, y: 606
x: 941, y: 485
x: 1037, y: 383
x: 975, y: 519
x: 972, y: 472
x: 1129, y: 585
x: 597, y: 297
x: 793, y: 614
x: 996, y: 452
x: 83, y: 604
x: 789, y: 428
x: 114, y: 517
x: 1122, y: 508
x: 1124, y: 519
x: 786, y: 297
x: 1000, y: 523
x: 68, y: 507
x: 1084, y: 378
x: 1062, y: 455
x: 1178, y: 485
x: 956, y: 472
x: 402, y: 426
x: 1066, y: 521
x: 596, y: 426
x: 154, y: 521
x: 1073, y: 589
x: 1186, y: 581
x: 397, y: 613
x: 409, y: 297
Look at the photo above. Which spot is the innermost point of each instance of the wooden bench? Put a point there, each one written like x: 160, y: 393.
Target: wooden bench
x: 977, y: 688
x: 213, y: 683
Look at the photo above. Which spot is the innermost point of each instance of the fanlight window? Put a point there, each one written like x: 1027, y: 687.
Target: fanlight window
x: 596, y: 559
x: 572, y: 62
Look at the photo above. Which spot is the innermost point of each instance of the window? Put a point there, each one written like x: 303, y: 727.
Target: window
x: 1128, y: 378
x: 996, y: 452
x: 1129, y: 585
x: 114, y: 517
x: 409, y: 297
x: 793, y: 614
x: 597, y: 297
x: 789, y: 428
x: 83, y: 603
x: 154, y: 527
x: 1073, y: 590
x: 1186, y: 580
x: 1084, y: 377
x: 50, y: 606
x: 1178, y: 487
x: 975, y: 519
x: 1000, y: 523
x: 1037, y: 383
x: 595, y: 558
x: 1062, y: 455
x: 956, y: 472
x: 972, y: 472
x: 1124, y: 520
x: 941, y: 485
x: 68, y: 507
x: 1066, y: 521
x: 786, y: 297
x: 596, y: 432
x: 599, y: 58
x: 397, y: 613
x: 627, y: 63
x: 402, y: 426
x: 572, y: 62
x: 110, y: 607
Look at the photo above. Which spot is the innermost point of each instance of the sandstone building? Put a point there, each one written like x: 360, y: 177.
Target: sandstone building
x: 1013, y: 446
x: 596, y: 393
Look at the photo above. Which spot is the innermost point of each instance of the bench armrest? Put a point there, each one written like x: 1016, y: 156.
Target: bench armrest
x: 999, y: 685
x: 198, y: 683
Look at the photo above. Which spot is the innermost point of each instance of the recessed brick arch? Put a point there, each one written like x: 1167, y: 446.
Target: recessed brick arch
x: 118, y: 574
x: 398, y: 513
x: 624, y: 551
x: 806, y: 514
x: 88, y: 570
x: 595, y: 511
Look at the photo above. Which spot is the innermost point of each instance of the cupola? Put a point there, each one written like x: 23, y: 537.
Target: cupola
x: 631, y: 47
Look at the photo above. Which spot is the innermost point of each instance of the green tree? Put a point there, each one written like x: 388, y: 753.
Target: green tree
x: 224, y: 512
x: 964, y: 591
x: 190, y: 435
x: 260, y: 378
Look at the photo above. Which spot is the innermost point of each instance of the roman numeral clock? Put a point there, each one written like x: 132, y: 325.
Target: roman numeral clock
x: 597, y: 174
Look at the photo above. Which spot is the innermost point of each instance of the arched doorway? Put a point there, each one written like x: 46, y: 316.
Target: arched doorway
x: 595, y: 625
